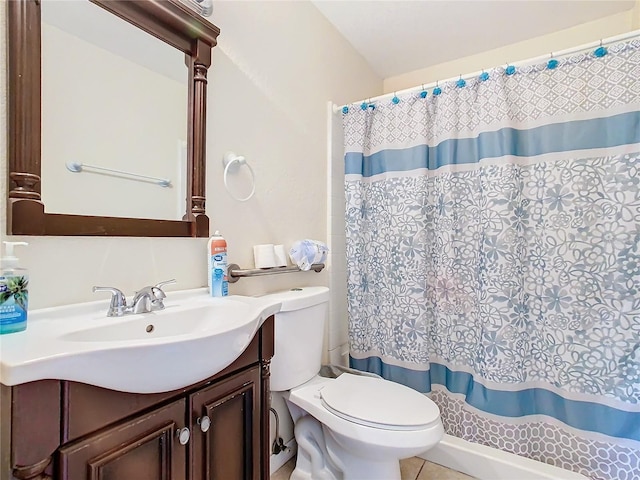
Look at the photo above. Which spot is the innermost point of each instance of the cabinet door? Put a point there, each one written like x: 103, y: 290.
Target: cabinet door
x: 145, y: 447
x: 229, y: 449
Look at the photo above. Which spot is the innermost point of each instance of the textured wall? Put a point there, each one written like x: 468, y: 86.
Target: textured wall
x: 543, y: 45
x: 276, y: 66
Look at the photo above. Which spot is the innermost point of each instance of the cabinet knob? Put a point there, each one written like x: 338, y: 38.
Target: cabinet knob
x: 204, y: 422
x: 183, y: 435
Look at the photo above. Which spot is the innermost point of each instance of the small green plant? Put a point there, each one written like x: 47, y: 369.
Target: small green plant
x: 16, y: 288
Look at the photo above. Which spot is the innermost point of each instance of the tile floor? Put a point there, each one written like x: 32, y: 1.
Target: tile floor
x: 411, y: 468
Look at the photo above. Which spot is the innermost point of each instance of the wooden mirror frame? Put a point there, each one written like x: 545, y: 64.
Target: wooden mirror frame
x: 169, y: 21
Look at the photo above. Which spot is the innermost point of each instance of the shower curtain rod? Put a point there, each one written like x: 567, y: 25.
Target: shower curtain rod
x: 562, y: 53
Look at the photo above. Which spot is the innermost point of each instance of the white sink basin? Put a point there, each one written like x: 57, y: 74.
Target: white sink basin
x: 194, y: 337
x: 145, y: 328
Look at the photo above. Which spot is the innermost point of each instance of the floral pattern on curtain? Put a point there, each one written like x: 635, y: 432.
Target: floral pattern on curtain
x: 493, y: 254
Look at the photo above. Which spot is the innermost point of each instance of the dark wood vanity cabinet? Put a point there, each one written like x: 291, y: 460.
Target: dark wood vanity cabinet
x: 216, y: 429
x: 231, y: 445
x: 143, y: 448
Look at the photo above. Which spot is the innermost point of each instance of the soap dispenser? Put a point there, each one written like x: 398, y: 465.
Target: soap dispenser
x: 14, y: 294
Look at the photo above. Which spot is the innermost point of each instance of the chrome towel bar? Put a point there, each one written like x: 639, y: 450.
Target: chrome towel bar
x: 77, y: 167
x: 235, y: 272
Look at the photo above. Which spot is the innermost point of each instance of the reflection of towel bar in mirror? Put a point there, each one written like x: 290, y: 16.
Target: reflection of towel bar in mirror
x: 234, y: 272
x: 79, y: 167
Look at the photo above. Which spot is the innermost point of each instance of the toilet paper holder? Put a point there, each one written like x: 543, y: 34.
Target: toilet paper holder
x: 235, y: 273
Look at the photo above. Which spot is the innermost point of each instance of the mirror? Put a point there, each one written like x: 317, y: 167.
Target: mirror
x: 35, y: 207
x: 104, y: 129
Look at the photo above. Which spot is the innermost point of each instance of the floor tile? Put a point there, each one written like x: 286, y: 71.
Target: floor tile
x: 285, y: 471
x: 433, y: 471
x: 410, y: 468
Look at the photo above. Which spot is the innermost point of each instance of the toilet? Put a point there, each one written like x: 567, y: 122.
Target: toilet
x: 354, y: 426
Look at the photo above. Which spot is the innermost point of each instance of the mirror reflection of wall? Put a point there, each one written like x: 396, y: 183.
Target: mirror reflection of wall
x: 116, y: 97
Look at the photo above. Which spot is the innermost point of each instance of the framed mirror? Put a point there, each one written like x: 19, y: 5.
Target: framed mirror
x: 173, y: 23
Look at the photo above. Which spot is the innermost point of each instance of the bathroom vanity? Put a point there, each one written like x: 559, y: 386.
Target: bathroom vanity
x: 215, y: 428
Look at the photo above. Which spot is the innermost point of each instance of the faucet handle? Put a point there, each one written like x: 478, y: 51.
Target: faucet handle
x: 118, y: 301
x: 162, y: 284
x: 157, y: 295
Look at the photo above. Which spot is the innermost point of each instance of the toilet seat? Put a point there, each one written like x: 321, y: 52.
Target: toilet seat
x: 374, y: 441
x: 378, y: 403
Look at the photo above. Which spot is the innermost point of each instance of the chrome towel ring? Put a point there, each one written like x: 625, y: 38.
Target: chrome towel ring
x: 232, y: 163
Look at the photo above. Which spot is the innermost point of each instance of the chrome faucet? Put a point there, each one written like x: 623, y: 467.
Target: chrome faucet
x: 146, y: 300
x: 118, y: 305
x: 150, y: 298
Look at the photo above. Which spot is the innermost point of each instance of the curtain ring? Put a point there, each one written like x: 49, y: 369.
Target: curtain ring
x: 600, y: 51
x: 510, y: 69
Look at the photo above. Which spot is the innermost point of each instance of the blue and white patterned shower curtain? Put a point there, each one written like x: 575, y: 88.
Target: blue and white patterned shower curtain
x: 493, y: 255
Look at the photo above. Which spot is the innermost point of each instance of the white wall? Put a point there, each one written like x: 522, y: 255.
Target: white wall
x: 337, y: 331
x: 543, y: 45
x: 274, y: 69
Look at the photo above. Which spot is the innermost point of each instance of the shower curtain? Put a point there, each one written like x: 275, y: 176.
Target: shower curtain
x: 493, y: 257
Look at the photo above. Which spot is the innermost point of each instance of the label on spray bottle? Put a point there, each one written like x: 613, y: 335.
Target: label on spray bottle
x: 13, y: 303
x: 218, y: 266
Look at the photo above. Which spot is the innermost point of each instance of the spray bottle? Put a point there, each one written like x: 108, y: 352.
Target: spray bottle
x: 217, y: 271
x: 14, y: 293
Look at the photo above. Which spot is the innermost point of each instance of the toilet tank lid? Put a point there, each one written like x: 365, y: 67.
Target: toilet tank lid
x: 299, y: 298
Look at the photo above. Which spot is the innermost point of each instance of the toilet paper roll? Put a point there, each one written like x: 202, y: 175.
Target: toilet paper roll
x: 281, y: 255
x: 264, y: 256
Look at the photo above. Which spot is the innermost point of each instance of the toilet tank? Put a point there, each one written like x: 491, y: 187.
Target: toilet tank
x: 299, y: 335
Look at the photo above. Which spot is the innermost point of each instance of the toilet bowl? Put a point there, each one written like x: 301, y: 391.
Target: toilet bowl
x: 352, y: 427
x: 368, y: 424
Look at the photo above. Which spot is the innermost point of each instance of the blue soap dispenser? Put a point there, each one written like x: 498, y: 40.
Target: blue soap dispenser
x: 14, y: 293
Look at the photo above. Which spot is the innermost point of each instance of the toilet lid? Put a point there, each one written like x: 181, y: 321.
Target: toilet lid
x: 378, y: 403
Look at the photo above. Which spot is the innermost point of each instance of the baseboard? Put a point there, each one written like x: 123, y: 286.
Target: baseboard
x: 277, y: 461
